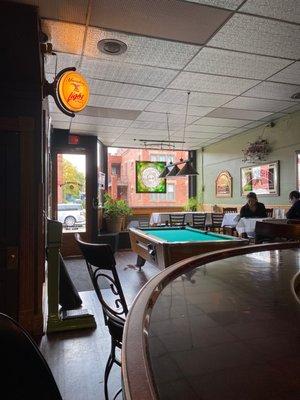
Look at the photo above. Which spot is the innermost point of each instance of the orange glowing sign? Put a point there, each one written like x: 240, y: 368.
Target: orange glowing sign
x: 73, y: 91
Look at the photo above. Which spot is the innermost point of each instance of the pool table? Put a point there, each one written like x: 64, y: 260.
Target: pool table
x: 166, y: 245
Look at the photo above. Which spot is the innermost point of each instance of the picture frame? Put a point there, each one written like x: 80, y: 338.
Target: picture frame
x: 223, y: 184
x: 262, y: 179
x: 147, y: 177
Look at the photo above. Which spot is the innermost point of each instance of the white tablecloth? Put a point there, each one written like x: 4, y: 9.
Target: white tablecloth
x: 247, y: 225
x: 230, y: 219
x: 163, y: 217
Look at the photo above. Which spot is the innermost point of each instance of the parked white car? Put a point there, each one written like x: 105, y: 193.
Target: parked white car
x: 70, y: 214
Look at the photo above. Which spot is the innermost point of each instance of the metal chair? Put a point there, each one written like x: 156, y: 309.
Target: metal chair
x: 216, y: 221
x: 99, y: 257
x: 199, y: 220
x: 25, y: 372
x: 269, y: 212
x: 177, y: 219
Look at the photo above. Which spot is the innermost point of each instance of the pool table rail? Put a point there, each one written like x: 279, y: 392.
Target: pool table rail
x: 163, y: 253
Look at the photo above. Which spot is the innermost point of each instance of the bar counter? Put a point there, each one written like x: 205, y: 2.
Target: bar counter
x: 225, y: 325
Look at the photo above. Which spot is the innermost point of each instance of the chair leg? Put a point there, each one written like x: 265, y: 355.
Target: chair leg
x: 109, y: 364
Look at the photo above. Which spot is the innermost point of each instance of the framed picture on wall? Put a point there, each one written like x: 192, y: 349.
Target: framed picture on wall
x: 261, y: 179
x: 224, y: 184
x: 147, y: 177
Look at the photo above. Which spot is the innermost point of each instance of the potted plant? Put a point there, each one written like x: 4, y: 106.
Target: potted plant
x: 115, y: 211
x: 191, y: 204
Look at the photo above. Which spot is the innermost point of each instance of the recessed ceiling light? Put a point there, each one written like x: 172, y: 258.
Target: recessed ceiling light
x: 295, y: 96
x: 112, y: 47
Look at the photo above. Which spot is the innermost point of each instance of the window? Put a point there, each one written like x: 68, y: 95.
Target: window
x: 162, y: 157
x: 169, y: 196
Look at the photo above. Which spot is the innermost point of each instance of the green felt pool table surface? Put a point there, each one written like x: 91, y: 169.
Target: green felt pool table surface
x: 185, y: 234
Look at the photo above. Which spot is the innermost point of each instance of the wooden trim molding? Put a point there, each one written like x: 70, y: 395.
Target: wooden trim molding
x: 138, y: 381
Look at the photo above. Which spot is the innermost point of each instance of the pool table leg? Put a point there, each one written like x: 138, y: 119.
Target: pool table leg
x: 140, y: 262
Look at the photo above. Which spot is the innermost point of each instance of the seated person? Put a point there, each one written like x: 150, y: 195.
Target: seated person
x: 294, y: 211
x: 253, y: 209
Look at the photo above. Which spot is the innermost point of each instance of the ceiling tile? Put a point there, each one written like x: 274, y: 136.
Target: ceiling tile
x: 288, y: 10
x: 105, y: 130
x: 127, y: 73
x: 166, y: 19
x: 196, y: 98
x: 101, y: 121
x: 292, y: 109
x: 260, y: 36
x: 65, y: 37
x: 116, y: 89
x: 232, y: 63
x: 116, y: 102
x: 251, y: 103
x: 290, y: 74
x: 111, y: 113
x: 208, y: 128
x: 61, y: 124
x: 221, y: 122
x: 149, y: 125
x: 162, y: 117
x: 64, y: 10
x: 145, y: 132
x: 273, y: 117
x: 229, y: 4
x: 223, y: 112
x: 270, y: 90
x: 211, y: 83
x: 59, y: 116
x: 141, y: 50
x: 62, y: 60
x: 178, y: 109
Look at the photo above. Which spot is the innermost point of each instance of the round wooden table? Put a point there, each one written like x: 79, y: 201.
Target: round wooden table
x: 225, y: 325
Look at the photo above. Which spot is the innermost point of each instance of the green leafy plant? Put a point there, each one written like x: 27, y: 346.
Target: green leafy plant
x: 191, y: 204
x: 114, y: 207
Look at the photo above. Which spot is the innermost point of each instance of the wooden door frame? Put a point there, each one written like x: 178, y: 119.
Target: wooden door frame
x: 69, y: 246
x: 31, y: 247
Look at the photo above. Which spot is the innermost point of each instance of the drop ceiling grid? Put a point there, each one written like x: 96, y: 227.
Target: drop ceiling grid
x: 162, y: 93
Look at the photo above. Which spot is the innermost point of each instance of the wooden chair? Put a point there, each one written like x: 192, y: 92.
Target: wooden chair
x: 177, y: 219
x: 199, y: 220
x: 216, y: 222
x: 99, y: 258
x: 144, y: 223
x: 269, y: 212
x: 25, y: 372
x: 230, y: 210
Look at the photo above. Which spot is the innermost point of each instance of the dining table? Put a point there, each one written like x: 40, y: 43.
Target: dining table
x: 224, y: 325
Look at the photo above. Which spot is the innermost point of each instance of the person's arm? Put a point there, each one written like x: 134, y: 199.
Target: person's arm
x: 243, y: 212
x: 291, y: 212
x: 262, y: 211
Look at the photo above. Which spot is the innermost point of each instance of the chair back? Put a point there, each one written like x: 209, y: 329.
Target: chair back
x: 229, y: 210
x: 216, y: 219
x: 100, y: 257
x: 269, y: 212
x: 25, y: 373
x: 199, y: 220
x: 177, y: 219
x: 144, y: 223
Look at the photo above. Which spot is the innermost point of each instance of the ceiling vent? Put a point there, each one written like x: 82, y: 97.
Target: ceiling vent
x: 112, y: 47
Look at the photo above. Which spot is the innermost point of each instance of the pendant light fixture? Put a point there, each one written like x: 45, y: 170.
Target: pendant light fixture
x: 166, y: 171
x: 187, y: 169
